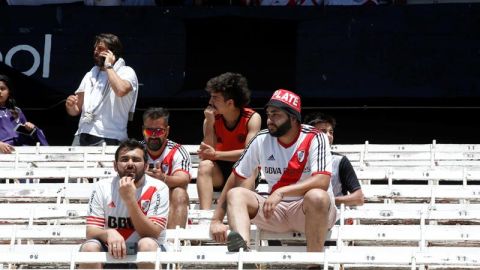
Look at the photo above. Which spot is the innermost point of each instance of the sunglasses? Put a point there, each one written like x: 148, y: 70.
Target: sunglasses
x: 149, y: 132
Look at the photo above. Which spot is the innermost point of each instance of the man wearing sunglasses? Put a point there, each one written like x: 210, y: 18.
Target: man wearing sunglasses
x: 168, y: 162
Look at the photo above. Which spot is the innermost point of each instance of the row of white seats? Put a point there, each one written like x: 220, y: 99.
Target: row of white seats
x: 361, y: 155
x: 374, y: 235
x: 460, y: 174
x: 347, y: 257
x: 369, y: 213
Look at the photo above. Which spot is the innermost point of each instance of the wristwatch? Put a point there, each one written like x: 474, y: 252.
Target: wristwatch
x: 108, y: 66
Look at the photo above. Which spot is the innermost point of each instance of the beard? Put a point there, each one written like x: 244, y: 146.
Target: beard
x: 154, y: 144
x: 98, y: 60
x: 281, y: 130
x: 132, y: 172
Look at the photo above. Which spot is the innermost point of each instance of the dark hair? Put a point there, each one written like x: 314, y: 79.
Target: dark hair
x: 231, y: 86
x: 318, y: 117
x: 113, y: 43
x: 155, y: 113
x: 10, y: 103
x: 131, y: 144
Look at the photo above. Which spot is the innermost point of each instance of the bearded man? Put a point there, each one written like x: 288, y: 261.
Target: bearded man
x: 169, y: 162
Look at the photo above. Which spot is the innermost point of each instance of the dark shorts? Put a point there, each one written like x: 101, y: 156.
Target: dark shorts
x: 226, y: 168
x: 85, y: 139
x: 131, y: 250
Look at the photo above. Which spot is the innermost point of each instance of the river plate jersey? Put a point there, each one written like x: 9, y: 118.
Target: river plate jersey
x: 283, y: 164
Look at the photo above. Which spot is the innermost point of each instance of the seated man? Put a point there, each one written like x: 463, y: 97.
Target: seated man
x: 296, y: 161
x: 128, y: 211
x: 169, y: 162
x: 345, y: 184
x: 227, y: 128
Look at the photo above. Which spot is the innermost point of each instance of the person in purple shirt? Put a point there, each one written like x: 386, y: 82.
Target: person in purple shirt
x: 10, y: 117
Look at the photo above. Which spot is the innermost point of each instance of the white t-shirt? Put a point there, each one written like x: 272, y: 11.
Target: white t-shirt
x: 111, y: 116
x: 173, y: 158
x: 278, y: 161
x: 106, y: 208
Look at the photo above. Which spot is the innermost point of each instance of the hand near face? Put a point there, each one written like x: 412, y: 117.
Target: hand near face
x: 127, y: 189
x: 109, y: 57
x: 209, y: 113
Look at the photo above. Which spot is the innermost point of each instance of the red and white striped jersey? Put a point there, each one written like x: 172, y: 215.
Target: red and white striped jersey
x: 173, y: 158
x: 283, y: 164
x: 107, y: 210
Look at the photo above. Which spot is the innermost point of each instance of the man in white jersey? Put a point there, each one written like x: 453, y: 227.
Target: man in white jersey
x: 296, y: 162
x: 106, y: 96
x: 169, y: 162
x: 129, y: 211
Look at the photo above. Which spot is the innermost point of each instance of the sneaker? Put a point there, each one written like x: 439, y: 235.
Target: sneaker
x: 235, y: 242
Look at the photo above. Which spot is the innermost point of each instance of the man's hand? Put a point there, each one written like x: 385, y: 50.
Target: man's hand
x: 157, y: 173
x: 271, y: 202
x: 209, y: 113
x: 109, y: 57
x: 71, y: 101
x: 218, y: 230
x: 29, y: 126
x: 127, y: 189
x: 206, y: 152
x: 6, y: 148
x: 116, y: 244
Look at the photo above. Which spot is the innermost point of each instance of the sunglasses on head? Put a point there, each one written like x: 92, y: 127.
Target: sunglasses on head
x: 149, y: 132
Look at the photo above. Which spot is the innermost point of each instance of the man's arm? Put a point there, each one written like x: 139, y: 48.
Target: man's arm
x: 349, y: 182
x: 74, y: 104
x: 119, y: 86
x: 351, y: 199
x: 178, y: 179
x: 143, y: 226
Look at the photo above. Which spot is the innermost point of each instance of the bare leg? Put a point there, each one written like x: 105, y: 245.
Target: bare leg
x: 90, y: 247
x: 209, y: 175
x: 178, y: 212
x: 242, y: 206
x: 316, y: 204
x: 146, y: 244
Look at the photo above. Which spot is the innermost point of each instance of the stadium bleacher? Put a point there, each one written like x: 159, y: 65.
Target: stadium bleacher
x: 421, y: 211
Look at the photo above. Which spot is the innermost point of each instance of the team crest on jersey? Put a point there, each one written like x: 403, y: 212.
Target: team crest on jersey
x: 144, y: 204
x: 241, y: 138
x: 301, y: 155
x: 165, y: 167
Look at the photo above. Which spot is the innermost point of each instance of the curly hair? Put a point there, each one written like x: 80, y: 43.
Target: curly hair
x: 231, y: 86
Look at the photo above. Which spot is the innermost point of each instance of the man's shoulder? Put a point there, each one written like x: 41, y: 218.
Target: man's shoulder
x: 150, y: 181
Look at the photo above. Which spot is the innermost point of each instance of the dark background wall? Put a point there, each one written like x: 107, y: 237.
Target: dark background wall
x: 389, y: 74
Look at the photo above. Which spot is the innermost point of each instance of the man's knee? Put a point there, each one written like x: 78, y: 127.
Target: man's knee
x: 316, y: 200
x: 205, y: 166
x: 147, y: 244
x: 90, y: 247
x: 179, y: 197
x: 237, y: 194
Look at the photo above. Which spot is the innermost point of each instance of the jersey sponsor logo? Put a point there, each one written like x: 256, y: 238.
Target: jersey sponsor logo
x: 119, y: 222
x: 301, y: 155
x: 286, y: 171
x: 144, y: 204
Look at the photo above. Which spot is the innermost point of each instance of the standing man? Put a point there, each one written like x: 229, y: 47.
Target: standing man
x: 106, y: 96
x: 296, y: 161
x: 345, y: 184
x: 169, y: 162
x: 227, y: 128
x: 127, y: 213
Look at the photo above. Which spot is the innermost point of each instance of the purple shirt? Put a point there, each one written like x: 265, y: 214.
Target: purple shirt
x: 10, y: 136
